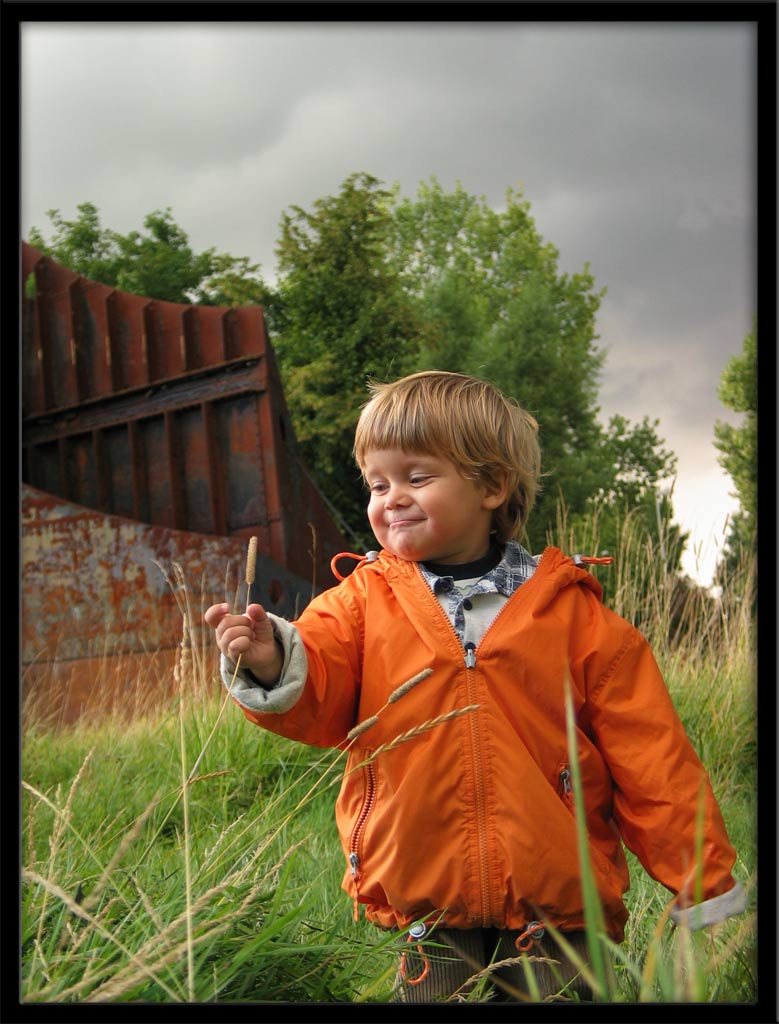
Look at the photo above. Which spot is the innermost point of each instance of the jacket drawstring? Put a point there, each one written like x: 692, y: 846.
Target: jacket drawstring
x: 369, y: 556
x: 416, y: 932
x: 592, y: 560
x: 530, y: 936
x: 524, y: 942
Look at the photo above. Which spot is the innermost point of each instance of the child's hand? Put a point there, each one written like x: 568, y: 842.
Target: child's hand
x: 250, y: 636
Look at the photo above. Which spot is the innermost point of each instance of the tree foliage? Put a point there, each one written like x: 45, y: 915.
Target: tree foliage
x: 158, y: 263
x: 738, y: 451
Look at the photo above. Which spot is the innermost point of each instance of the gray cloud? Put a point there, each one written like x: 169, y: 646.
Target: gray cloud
x: 633, y: 142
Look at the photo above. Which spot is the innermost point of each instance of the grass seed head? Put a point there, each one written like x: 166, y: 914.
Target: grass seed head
x: 251, y: 561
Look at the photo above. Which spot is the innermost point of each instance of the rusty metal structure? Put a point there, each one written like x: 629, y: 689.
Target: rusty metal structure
x: 151, y: 426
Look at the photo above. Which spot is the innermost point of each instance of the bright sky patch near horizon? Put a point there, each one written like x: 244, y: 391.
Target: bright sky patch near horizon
x: 634, y: 144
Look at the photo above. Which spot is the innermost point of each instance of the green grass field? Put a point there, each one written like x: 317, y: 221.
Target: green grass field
x: 190, y: 856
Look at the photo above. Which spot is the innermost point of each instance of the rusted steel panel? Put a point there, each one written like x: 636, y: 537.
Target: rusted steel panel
x: 157, y: 485
x: 107, y: 572
x: 204, y: 336
x: 33, y: 381
x: 165, y: 337
x: 127, y: 332
x: 96, y: 590
x: 57, y: 332
x: 239, y: 441
x: 92, y: 340
x: 117, y: 463
x: 87, y: 339
x: 210, y: 451
x: 224, y: 382
x: 245, y: 333
x: 81, y: 470
x: 217, y: 492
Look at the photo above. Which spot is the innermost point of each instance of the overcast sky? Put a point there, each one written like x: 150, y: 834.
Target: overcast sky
x: 634, y: 144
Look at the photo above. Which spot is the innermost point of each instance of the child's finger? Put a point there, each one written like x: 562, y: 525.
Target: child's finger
x: 256, y: 613
x: 215, y: 614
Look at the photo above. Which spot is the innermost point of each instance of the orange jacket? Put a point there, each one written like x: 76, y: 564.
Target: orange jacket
x: 473, y: 818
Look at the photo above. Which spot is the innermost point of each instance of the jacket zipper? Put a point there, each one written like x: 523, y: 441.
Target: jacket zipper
x: 481, y: 800
x: 355, y: 863
x: 565, y: 787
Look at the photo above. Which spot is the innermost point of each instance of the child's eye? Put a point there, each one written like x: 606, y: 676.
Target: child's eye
x: 418, y: 479
x: 377, y: 487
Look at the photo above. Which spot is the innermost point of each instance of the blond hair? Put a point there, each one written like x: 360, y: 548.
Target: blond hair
x: 488, y: 436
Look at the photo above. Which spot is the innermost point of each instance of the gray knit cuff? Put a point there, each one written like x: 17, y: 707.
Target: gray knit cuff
x: 701, y: 915
x: 277, y: 699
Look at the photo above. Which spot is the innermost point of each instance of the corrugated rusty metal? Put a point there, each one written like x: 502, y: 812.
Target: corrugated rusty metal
x: 168, y: 422
x: 170, y: 414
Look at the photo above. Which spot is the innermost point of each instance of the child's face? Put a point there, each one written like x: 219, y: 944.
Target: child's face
x: 422, y: 508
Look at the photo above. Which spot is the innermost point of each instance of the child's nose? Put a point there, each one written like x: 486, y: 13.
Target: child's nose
x: 396, y: 496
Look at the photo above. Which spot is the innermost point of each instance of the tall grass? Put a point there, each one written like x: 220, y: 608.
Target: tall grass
x: 183, y: 855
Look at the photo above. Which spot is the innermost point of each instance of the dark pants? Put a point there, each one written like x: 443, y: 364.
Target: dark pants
x: 452, y: 958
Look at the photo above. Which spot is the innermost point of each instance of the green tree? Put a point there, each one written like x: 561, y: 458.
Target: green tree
x: 343, y: 319
x: 738, y: 452
x: 81, y: 244
x: 158, y: 263
x: 492, y: 302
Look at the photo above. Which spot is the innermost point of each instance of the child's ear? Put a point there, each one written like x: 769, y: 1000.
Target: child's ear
x: 495, y: 493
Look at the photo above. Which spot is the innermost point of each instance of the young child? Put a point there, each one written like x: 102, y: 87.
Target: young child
x: 464, y: 834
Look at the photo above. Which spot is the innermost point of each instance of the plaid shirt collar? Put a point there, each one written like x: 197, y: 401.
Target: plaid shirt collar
x: 515, y: 568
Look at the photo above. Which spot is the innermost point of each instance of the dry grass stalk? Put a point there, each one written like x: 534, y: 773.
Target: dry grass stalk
x: 276, y: 867
x: 124, y: 981
x: 485, y: 972
x: 187, y: 858
x: 130, y: 836
x: 44, y: 963
x: 251, y: 565
x: 210, y: 775
x: 404, y: 688
x: 148, y: 906
x: 154, y: 949
x: 431, y: 723
x: 77, y: 938
x: 396, y: 694
x: 61, y: 821
x: 358, y: 730
x: 78, y: 911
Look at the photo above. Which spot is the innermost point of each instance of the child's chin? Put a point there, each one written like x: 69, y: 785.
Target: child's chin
x: 408, y: 552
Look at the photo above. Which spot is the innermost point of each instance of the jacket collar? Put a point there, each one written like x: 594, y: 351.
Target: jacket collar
x: 554, y: 572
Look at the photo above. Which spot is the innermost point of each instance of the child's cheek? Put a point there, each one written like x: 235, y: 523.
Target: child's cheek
x: 376, y: 521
